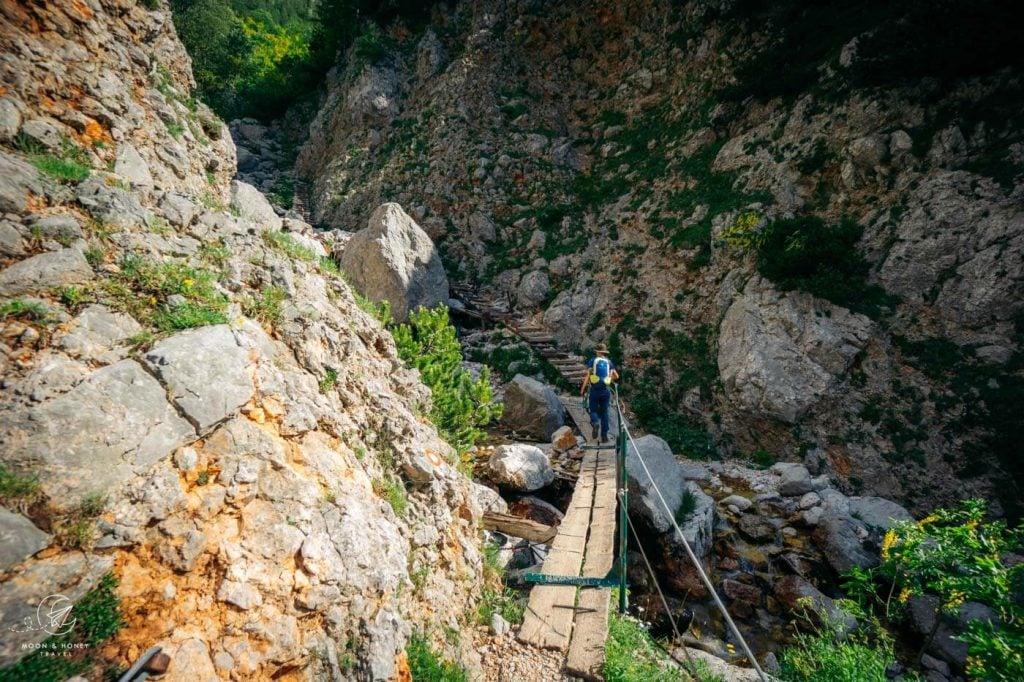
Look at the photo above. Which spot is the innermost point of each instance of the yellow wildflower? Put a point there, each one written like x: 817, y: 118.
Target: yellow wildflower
x: 904, y: 595
x: 887, y: 543
x: 926, y: 520
x: 187, y: 282
x: 152, y: 300
x: 956, y: 598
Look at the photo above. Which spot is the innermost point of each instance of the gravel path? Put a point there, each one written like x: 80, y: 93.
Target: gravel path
x: 505, y: 659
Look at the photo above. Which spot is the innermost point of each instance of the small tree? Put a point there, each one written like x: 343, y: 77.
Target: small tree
x: 461, y: 405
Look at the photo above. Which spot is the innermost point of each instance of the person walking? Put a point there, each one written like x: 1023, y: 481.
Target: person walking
x: 601, y: 372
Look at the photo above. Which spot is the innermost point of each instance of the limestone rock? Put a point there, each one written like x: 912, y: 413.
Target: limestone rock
x: 563, y: 439
x: 97, y: 330
x: 19, y: 539
x: 533, y: 288
x: 252, y: 205
x: 840, y: 540
x: 10, y: 119
x: 59, y: 227
x: 46, y: 271
x: 794, y: 479
x: 394, y: 260
x: 111, y: 205
x: 738, y: 501
x: 130, y: 165
x: 878, y: 512
x: 532, y: 408
x: 801, y: 597
x: 520, y: 467
x: 663, y: 467
x: 780, y: 353
x: 17, y: 180
x: 186, y: 361
x: 105, y: 430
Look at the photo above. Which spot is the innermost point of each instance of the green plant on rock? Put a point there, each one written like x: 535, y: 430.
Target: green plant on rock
x: 955, y: 557
x: 392, y: 490
x: 267, y: 306
x: 496, y: 597
x: 428, y: 666
x: 461, y: 405
x: 30, y: 310
x: 18, y: 491
x: 287, y: 244
x: 631, y: 653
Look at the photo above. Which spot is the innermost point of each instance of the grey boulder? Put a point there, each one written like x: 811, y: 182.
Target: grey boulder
x: 186, y: 363
x: 532, y: 408
x: 130, y: 165
x: 252, y: 205
x: 46, y: 271
x: 17, y: 180
x: 795, y: 480
x: 394, y: 260
x: 19, y: 539
x: 520, y: 467
x: 878, y: 512
x: 662, y: 469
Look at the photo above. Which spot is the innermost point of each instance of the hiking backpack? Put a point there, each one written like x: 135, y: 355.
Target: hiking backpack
x: 602, y: 372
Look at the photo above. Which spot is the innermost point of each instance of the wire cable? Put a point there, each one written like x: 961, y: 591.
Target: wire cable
x: 686, y: 545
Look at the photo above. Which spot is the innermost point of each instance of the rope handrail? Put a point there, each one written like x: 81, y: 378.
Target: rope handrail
x: 686, y: 545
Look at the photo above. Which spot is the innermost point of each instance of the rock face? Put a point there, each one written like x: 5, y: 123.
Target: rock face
x: 267, y: 473
x: 802, y: 597
x: 532, y: 408
x: 779, y: 354
x: 521, y: 467
x: 394, y: 260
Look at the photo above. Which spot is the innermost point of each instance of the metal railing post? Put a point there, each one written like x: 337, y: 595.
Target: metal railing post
x: 622, y: 482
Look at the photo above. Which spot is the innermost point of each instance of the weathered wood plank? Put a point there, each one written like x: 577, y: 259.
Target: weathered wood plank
x: 520, y: 528
x: 549, y: 614
x: 586, y: 652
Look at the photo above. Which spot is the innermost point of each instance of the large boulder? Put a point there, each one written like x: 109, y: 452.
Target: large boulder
x: 665, y: 471
x: 780, y: 353
x: 845, y: 543
x: 878, y: 512
x: 252, y: 205
x: 794, y: 479
x: 532, y: 408
x: 521, y: 467
x: 804, y: 599
x: 922, y: 612
x: 17, y: 180
x: 46, y: 271
x: 394, y: 260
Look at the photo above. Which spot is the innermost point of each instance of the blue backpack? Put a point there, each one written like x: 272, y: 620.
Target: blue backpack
x: 601, y: 372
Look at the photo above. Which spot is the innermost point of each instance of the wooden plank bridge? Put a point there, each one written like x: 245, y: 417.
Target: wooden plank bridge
x: 568, y: 609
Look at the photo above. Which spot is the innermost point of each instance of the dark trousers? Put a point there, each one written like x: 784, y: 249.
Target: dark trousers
x: 599, y: 409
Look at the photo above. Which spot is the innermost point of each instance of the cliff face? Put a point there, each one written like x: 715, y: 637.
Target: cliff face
x: 192, y: 400
x: 829, y: 271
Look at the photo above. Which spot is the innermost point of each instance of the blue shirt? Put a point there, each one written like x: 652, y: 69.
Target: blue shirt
x: 611, y: 368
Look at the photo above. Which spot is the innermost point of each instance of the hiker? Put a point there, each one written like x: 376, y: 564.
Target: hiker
x: 601, y: 373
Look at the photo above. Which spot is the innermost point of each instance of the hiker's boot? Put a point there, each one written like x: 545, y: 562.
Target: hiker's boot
x: 593, y: 431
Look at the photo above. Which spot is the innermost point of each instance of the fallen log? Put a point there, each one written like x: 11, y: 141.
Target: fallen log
x: 520, y: 528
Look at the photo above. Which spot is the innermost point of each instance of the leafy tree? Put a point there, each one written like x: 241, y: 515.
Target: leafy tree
x: 461, y: 404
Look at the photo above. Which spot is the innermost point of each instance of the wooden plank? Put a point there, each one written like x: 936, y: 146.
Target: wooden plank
x: 586, y: 653
x: 586, y: 648
x: 549, y: 614
x: 520, y: 528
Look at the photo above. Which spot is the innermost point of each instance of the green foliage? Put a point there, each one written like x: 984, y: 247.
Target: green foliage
x: 631, y: 654
x: 427, y: 666
x: 682, y: 434
x: 955, y: 556
x: 30, y: 310
x: 267, y: 306
x: 802, y: 253
x: 373, y: 44
x: 763, y: 458
x: 496, y: 597
x: 18, y: 491
x: 97, y: 618
x: 825, y: 655
x: 329, y: 380
x: 286, y: 244
x: 686, y: 506
x: 143, y: 287
x: 461, y: 406
x: 394, y: 492
x: 519, y: 358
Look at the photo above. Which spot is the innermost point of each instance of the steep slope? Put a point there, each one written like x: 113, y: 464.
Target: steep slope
x: 804, y: 238
x: 192, y: 399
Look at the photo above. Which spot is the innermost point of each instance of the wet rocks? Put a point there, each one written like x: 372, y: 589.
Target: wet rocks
x: 757, y: 528
x: 394, y: 260
x: 520, y: 467
x: 532, y: 408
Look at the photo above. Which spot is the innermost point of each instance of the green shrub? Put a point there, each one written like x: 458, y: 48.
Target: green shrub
x: 392, y: 490
x: 142, y: 288
x: 61, y: 170
x: 802, y: 253
x: 631, y: 654
x: 267, y: 306
x: 31, y: 310
x: 286, y: 244
x: 824, y: 655
x: 957, y: 557
x: 461, y: 406
x: 18, y: 491
x: 496, y: 597
x: 97, y: 618
x: 427, y: 666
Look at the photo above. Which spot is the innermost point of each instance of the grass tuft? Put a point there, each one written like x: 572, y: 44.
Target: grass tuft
x: 428, y: 666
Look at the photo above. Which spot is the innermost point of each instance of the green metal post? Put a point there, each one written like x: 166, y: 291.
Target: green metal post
x: 620, y: 451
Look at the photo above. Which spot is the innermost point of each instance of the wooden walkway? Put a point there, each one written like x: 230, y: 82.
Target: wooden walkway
x: 566, y: 617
